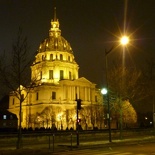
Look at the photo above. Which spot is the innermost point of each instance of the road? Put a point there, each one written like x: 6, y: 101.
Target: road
x: 136, y: 149
x: 116, y: 149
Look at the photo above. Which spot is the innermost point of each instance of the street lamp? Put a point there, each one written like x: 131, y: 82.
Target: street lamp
x: 124, y: 40
x: 104, y: 91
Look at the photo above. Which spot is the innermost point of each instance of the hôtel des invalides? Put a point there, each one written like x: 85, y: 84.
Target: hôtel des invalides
x: 51, y: 103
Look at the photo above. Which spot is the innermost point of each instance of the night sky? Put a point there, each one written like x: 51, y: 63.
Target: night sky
x: 90, y: 26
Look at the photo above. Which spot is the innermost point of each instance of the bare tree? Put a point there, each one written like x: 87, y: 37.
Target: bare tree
x: 124, y: 84
x: 129, y: 116
x: 14, y: 74
x: 92, y: 114
x: 148, y: 71
x: 48, y: 116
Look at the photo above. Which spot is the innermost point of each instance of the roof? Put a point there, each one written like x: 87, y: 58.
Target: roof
x: 6, y: 112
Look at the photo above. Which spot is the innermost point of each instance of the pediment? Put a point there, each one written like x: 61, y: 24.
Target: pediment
x: 83, y: 80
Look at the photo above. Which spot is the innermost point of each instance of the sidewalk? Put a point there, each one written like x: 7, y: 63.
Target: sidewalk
x: 37, y: 150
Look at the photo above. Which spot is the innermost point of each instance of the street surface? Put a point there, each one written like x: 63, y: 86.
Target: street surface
x: 116, y: 149
x: 134, y: 149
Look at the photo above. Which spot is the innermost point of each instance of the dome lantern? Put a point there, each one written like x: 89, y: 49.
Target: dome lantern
x: 55, y: 31
x: 55, y: 41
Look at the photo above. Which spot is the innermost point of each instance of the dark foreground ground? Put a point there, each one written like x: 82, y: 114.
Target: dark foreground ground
x: 140, y: 145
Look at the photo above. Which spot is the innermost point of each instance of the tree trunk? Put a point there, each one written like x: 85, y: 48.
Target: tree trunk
x: 19, y: 140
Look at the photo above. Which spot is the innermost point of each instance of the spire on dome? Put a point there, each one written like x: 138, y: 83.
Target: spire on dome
x: 54, y: 30
x: 55, y: 17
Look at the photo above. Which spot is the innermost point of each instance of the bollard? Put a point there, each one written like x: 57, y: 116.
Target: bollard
x: 53, y: 142
x: 49, y: 142
x: 71, y: 141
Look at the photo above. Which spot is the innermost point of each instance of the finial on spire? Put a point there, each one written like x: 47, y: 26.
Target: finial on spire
x: 55, y: 18
x: 54, y: 30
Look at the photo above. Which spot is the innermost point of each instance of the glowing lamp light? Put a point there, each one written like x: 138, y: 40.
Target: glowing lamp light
x: 124, y: 40
x: 104, y: 91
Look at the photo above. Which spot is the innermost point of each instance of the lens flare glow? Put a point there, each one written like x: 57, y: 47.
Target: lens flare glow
x: 124, y: 40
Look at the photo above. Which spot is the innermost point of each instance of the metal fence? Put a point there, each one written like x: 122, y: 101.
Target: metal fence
x: 53, y: 140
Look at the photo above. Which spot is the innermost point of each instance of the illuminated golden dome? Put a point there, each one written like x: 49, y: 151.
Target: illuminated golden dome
x: 55, y: 42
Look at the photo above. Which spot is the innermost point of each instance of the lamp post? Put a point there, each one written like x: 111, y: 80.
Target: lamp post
x: 123, y: 41
x: 153, y: 113
x: 104, y: 91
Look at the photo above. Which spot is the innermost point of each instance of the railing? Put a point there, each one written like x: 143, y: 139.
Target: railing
x: 53, y: 140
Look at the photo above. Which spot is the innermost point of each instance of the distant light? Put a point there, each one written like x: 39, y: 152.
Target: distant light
x: 104, y: 91
x: 124, y: 40
x: 145, y: 117
x: 4, y: 116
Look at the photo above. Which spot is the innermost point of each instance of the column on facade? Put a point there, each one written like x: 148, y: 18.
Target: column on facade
x: 69, y: 92
x: 73, y: 93
x: 82, y: 92
x: 88, y: 94
x: 85, y: 94
x: 92, y: 95
x: 78, y: 94
x: 65, y: 92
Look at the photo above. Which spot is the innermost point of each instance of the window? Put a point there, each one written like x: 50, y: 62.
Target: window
x: 50, y: 74
x: 43, y: 57
x: 53, y: 95
x: 4, y: 117
x: 95, y: 98
x: 68, y: 58
x: 70, y: 75
x: 41, y: 75
x: 61, y: 74
x: 37, y: 96
x: 51, y: 56
x: 61, y: 57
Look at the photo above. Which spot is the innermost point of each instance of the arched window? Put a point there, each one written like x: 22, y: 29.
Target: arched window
x: 43, y: 57
x: 51, y: 56
x: 70, y: 75
x: 61, y: 74
x: 53, y: 95
x: 41, y: 75
x: 50, y: 74
x: 61, y: 57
